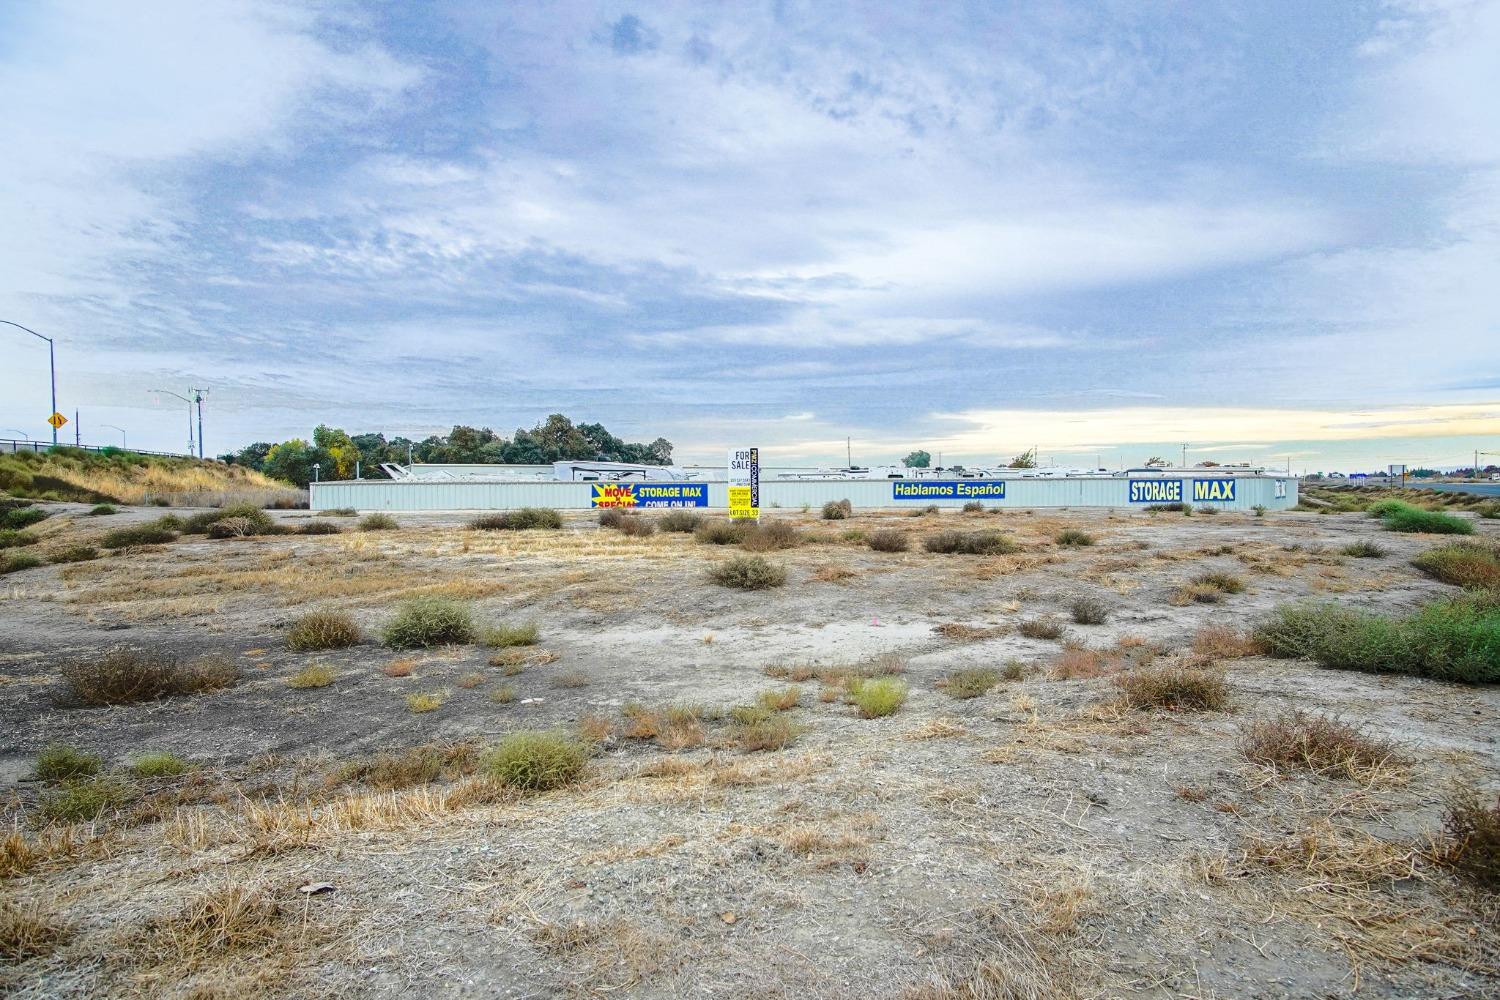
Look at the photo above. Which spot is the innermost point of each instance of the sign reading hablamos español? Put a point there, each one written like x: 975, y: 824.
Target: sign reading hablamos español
x: 948, y: 489
x: 650, y: 495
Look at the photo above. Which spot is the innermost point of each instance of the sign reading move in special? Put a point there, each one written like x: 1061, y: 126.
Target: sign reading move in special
x: 744, y: 482
x: 650, y: 495
x: 1213, y: 489
x: 948, y: 489
x: 1156, y: 491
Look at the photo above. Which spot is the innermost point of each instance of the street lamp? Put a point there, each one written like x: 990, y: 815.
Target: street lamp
x: 120, y: 429
x: 189, y: 402
x: 51, y: 364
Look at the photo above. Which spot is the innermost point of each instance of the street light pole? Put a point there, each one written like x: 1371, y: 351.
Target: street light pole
x: 51, y: 365
x: 189, y: 402
x: 122, y: 434
x: 198, y: 398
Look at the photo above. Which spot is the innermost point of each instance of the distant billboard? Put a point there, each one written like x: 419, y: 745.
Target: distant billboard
x: 1156, y: 491
x: 948, y: 489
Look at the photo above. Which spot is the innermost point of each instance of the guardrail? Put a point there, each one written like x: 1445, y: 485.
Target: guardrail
x: 13, y: 445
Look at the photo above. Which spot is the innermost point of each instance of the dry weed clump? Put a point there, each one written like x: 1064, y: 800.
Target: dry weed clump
x: 674, y: 727
x: 764, y: 730
x: 1087, y: 609
x: 124, y: 675
x: 888, y: 540
x: 1175, y: 688
x: 1471, y: 565
x: 1208, y: 588
x: 159, y: 764
x: 1471, y: 826
x: 377, y: 522
x: 970, y: 543
x: 58, y: 762
x: 319, y: 630
x: 1223, y: 642
x: 537, y: 761
x: 504, y: 636
x: 314, y: 675
x: 1045, y: 627
x: 420, y: 703
x: 28, y: 930
x: 748, y: 573
x: 1321, y: 744
x: 521, y: 519
x: 721, y: 531
x: 770, y: 537
x: 84, y: 800
x: 833, y: 573
x: 837, y: 510
x: 429, y: 621
x: 970, y: 683
x: 876, y: 697
x: 223, y: 918
x: 1077, y: 663
x: 1073, y: 538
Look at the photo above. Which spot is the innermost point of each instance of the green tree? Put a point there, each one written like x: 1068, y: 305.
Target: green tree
x: 1025, y: 460
x: 292, y: 461
x: 917, y: 460
x: 341, y: 449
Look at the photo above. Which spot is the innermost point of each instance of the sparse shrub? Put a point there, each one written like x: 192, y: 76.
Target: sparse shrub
x: 1208, y: 511
x: 571, y: 679
x: 342, y: 512
x: 1226, y: 583
x: 609, y: 517
x: 774, y: 732
x: 779, y: 700
x: 502, y: 636
x: 1260, y: 510
x: 537, y: 761
x: 16, y: 539
x: 103, y: 510
x: 470, y: 681
x: 504, y: 694
x: 232, y: 527
x: 1472, y: 827
x: 59, y: 761
x: 969, y: 543
x: 876, y: 697
x: 1014, y: 670
x: 427, y: 701
x: 14, y: 562
x: 747, y: 573
x: 319, y: 528
x: 681, y: 521
x: 1456, y: 640
x: 638, y: 527
x: 141, y: 534
x: 771, y: 536
x: 314, y: 675
x: 1089, y: 610
x: 1077, y: 663
x: 17, y: 518
x: 377, y: 522
x: 29, y: 930
x: 1180, y: 689
x: 1489, y: 511
x: 323, y: 630
x: 1399, y: 516
x: 1222, y: 642
x: 1319, y: 743
x: 1045, y: 627
x: 888, y: 540
x: 1364, y: 550
x: 235, y: 521
x: 722, y: 531
x: 160, y: 764
x: 122, y: 675
x: 1163, y: 508
x: 837, y: 510
x: 973, y: 507
x: 80, y: 801
x: 1073, y: 538
x: 970, y: 683
x: 1471, y: 565
x: 406, y: 768
x: 429, y: 621
x: 399, y: 668
x: 76, y: 554
x: 521, y: 519
x: 927, y: 511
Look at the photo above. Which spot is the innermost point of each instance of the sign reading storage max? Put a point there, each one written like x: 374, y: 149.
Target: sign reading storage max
x: 650, y: 495
x: 948, y: 489
x: 1213, y: 489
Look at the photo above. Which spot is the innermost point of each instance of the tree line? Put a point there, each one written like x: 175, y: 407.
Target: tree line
x: 336, y: 452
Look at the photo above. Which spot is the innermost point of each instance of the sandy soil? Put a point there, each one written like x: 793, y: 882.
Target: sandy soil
x: 1041, y: 840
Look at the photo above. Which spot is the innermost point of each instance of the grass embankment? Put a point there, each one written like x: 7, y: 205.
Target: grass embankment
x: 125, y: 477
x: 1351, y: 499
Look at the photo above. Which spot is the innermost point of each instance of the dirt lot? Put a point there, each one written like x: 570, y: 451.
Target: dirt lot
x: 1042, y: 840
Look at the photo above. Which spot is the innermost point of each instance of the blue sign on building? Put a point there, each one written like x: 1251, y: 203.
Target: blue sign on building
x: 1156, y: 491
x: 1213, y: 490
x: 948, y: 489
x: 650, y: 495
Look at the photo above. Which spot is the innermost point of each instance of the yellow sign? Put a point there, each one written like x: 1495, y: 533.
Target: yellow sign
x: 740, y: 499
x: 57, y: 420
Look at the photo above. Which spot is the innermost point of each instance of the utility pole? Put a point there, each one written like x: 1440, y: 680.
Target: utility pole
x: 198, y: 395
x: 1184, y: 455
x: 51, y: 365
x: 848, y: 452
x: 77, y: 430
x: 189, y: 402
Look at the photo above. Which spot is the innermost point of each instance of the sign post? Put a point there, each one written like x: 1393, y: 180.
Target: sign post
x: 1400, y: 470
x: 744, y: 483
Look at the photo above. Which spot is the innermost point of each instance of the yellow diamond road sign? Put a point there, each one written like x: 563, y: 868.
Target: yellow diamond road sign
x: 57, y: 420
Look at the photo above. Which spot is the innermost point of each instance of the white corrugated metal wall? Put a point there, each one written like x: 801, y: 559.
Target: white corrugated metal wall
x: 1273, y: 492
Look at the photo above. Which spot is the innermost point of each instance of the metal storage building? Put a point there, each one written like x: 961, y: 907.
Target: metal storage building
x: 1209, y: 487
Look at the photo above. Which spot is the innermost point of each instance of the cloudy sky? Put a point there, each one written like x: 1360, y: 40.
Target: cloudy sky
x: 1264, y: 229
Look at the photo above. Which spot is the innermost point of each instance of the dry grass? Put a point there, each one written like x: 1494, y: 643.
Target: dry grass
x: 1322, y: 744
x: 537, y: 761
x: 833, y: 573
x: 28, y: 929
x: 314, y: 675
x: 1471, y: 826
x: 965, y: 633
x: 1045, y: 627
x: 1175, y: 688
x: 1223, y: 642
x: 1089, y: 610
x: 1080, y: 663
x: 888, y: 540
x: 124, y: 675
x: 399, y: 668
x: 673, y: 727
x: 969, y: 683
x: 223, y: 918
x: 427, y: 701
x: 747, y: 573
